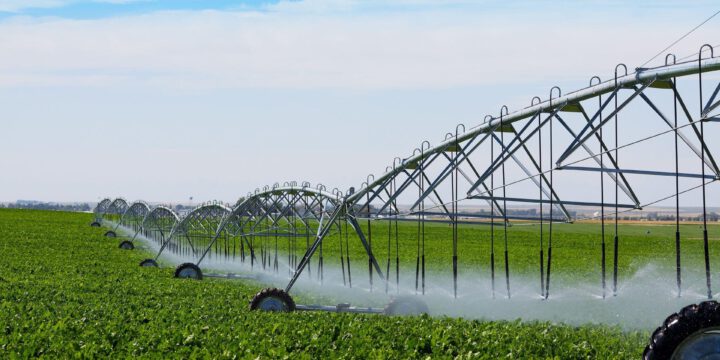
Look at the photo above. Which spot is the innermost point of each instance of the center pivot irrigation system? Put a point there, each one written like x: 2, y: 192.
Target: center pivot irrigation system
x: 619, y: 145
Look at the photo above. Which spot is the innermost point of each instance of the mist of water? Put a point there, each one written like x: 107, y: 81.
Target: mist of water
x: 643, y: 300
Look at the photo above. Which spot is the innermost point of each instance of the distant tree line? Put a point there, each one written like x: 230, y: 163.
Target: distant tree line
x: 39, y: 205
x: 654, y: 216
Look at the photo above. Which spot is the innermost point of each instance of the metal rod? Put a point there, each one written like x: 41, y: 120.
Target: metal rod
x: 704, y: 200
x: 453, y: 190
x: 422, y: 225
x: 505, y: 221
x: 369, y: 240
x: 550, y: 229
x: 389, y: 249
x: 492, y: 221
x: 397, y: 244
x: 678, y: 268
x: 347, y: 253
x: 616, y: 240
x: 602, y: 205
x: 419, y: 221
x: 540, y: 202
x: 342, y: 259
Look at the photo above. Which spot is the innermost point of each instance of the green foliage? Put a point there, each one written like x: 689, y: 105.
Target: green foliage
x: 68, y: 292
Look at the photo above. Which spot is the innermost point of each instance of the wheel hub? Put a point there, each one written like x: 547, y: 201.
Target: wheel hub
x: 187, y: 273
x: 704, y: 345
x: 272, y: 304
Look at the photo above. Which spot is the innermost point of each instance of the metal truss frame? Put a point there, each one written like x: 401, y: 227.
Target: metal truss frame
x: 461, y: 160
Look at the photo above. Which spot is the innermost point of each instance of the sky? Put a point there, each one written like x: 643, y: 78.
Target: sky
x: 164, y: 100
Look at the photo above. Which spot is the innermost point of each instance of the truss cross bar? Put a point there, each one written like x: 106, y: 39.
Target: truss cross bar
x: 490, y: 202
x: 710, y: 106
x: 500, y: 159
x: 407, y: 182
x: 625, y: 184
x: 589, y: 124
x: 710, y: 109
x: 544, y: 201
x: 393, y: 204
x: 430, y: 158
x: 639, y: 172
x: 252, y: 250
x: 267, y: 210
x: 268, y: 233
x: 309, y: 206
x: 217, y: 234
x: 710, y: 162
x: 506, y: 152
x: 439, y: 199
x: 298, y: 216
x: 587, y: 136
x: 537, y: 182
x: 436, y: 202
x: 292, y: 212
x: 404, y: 185
x: 250, y: 213
x: 693, y: 124
x: 167, y: 240
x: 322, y: 232
x: 191, y: 244
x: 464, y: 156
x: 450, y: 222
x: 275, y: 220
x: 485, y: 216
x: 368, y: 250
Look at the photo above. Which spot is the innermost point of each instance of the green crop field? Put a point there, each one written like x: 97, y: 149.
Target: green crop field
x: 68, y: 292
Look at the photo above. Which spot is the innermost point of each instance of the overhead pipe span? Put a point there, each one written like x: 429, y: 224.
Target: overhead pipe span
x: 639, y: 77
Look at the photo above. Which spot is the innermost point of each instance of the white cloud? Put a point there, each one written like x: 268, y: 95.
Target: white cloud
x: 286, y: 49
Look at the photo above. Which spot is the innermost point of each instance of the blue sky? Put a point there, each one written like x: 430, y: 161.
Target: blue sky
x: 161, y: 100
x: 102, y: 9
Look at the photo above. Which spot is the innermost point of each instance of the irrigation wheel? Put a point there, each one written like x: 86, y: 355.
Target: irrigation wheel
x: 691, y: 333
x: 406, y: 305
x: 95, y: 224
x: 149, y: 263
x: 126, y: 245
x: 272, y: 299
x: 188, y: 271
x: 110, y: 233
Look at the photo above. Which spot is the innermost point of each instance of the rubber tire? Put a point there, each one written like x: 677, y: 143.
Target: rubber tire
x: 679, y: 326
x: 280, y: 294
x: 95, y: 224
x: 110, y: 234
x: 126, y: 245
x: 406, y: 306
x: 149, y: 263
x: 181, y: 267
